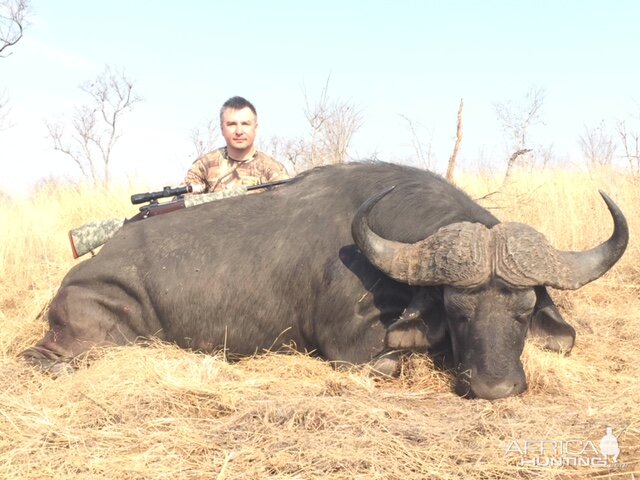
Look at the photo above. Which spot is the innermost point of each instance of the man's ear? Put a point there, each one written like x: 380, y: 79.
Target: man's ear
x: 548, y: 326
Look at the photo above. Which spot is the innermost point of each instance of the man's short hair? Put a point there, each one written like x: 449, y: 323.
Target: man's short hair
x: 237, y: 103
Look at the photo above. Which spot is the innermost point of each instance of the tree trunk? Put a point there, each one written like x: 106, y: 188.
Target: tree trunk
x: 456, y: 147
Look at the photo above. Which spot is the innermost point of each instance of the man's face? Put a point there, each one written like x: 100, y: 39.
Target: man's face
x: 239, y: 128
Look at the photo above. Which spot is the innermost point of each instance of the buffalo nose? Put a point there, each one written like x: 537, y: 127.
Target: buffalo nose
x: 492, y: 389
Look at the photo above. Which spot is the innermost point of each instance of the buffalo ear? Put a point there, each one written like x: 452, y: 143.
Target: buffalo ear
x: 407, y: 335
x: 548, y: 326
x: 421, y: 325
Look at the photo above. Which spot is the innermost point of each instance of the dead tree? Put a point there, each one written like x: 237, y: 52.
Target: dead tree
x: 512, y: 162
x: 456, y: 147
x: 333, y: 124
x: 517, y: 121
x: 293, y: 152
x: 630, y: 141
x: 205, y: 138
x: 96, y: 126
x: 597, y: 146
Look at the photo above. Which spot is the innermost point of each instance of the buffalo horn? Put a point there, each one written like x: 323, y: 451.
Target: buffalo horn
x: 465, y: 254
x: 525, y: 258
x: 456, y: 255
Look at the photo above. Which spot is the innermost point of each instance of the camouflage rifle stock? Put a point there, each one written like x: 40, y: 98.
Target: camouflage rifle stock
x: 90, y: 236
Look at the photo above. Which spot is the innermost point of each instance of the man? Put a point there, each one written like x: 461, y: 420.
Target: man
x: 239, y: 164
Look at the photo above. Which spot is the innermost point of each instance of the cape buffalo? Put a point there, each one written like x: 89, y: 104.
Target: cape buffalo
x: 336, y: 263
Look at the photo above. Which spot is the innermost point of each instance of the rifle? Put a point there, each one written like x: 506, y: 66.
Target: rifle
x: 90, y: 236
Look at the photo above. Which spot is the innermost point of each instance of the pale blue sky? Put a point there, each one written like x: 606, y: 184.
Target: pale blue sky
x: 411, y: 58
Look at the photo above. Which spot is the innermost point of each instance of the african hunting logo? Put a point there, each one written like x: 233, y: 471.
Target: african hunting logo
x: 575, y: 453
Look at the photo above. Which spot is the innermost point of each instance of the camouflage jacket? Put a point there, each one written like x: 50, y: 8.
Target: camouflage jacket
x: 218, y: 172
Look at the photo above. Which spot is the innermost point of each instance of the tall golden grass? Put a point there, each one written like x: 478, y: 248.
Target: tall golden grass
x: 158, y: 412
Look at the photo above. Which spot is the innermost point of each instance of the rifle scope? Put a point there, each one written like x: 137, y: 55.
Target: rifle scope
x: 164, y: 193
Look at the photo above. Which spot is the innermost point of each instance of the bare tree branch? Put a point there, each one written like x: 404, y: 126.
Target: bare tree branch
x: 333, y: 124
x: 631, y: 145
x: 517, y: 121
x: 316, y: 115
x: 597, y: 146
x: 205, y: 138
x: 424, y: 155
x: 56, y: 133
x: 13, y: 17
x: 341, y: 123
x: 96, y: 127
x: 291, y: 151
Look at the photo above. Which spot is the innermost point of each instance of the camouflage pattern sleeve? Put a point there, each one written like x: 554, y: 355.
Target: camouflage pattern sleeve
x: 278, y: 172
x: 197, y: 174
x: 272, y: 169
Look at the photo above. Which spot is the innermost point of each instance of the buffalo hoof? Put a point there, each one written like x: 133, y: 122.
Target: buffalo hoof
x: 55, y: 368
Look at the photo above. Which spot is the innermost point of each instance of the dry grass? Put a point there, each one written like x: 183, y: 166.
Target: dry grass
x: 155, y: 411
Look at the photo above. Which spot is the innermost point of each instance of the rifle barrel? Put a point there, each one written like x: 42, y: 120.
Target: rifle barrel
x: 268, y: 184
